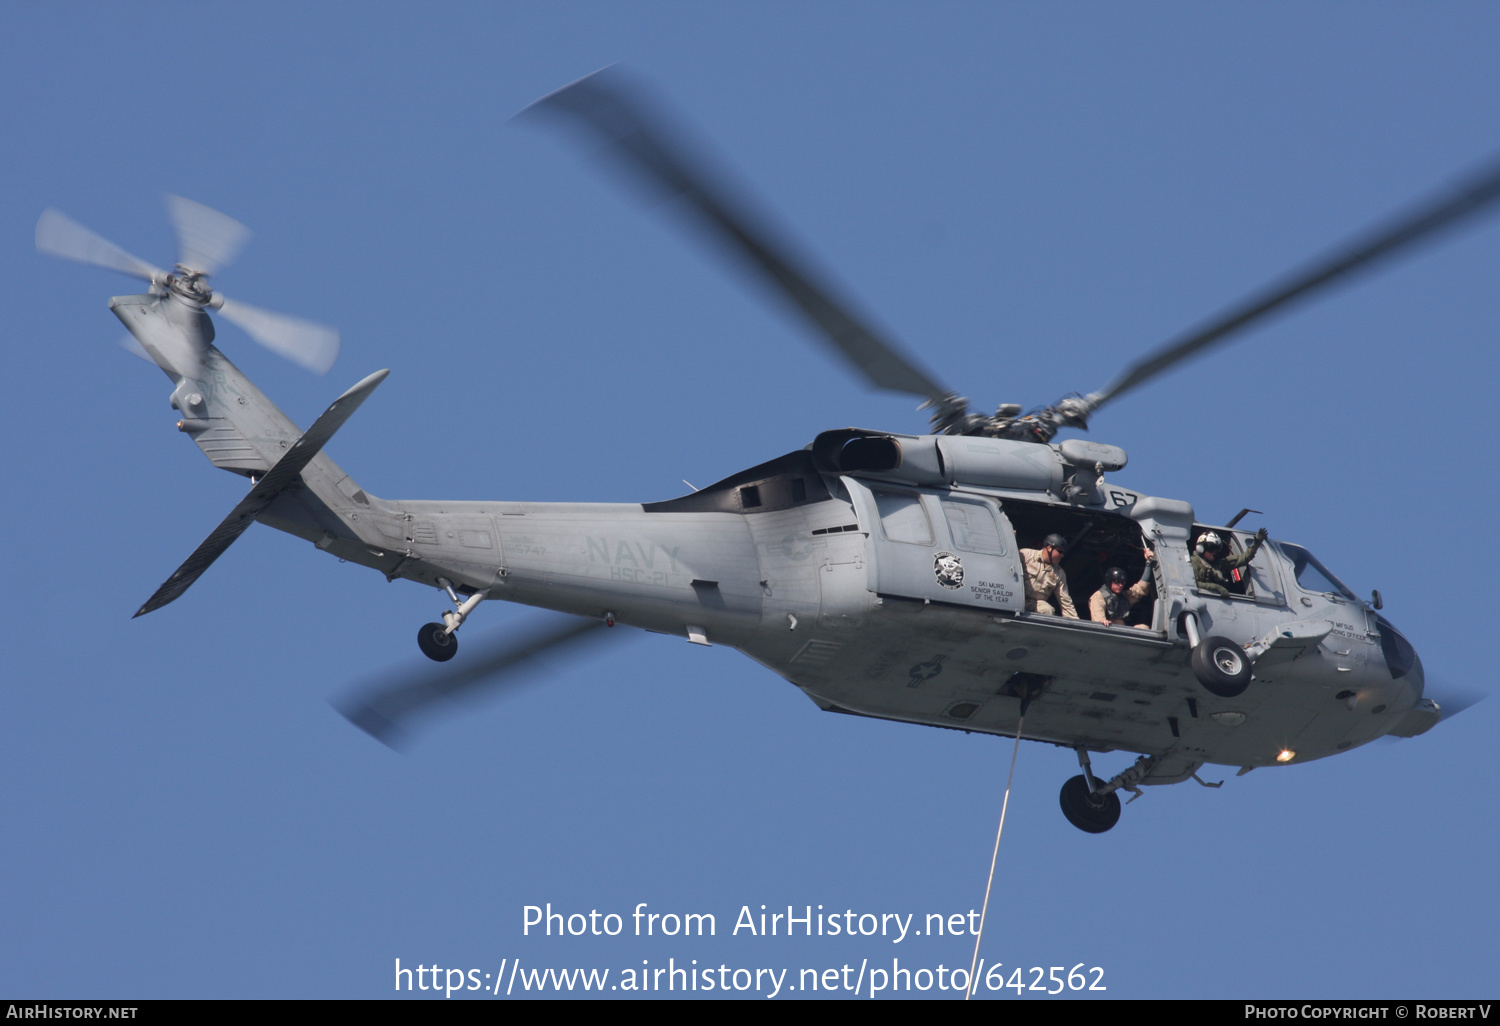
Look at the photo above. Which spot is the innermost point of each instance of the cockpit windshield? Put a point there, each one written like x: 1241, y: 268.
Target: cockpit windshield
x: 1312, y: 575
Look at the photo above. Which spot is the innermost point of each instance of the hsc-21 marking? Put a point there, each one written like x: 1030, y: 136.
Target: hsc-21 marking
x: 641, y: 557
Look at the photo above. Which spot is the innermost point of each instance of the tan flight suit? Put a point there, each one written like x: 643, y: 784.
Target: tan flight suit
x: 1046, y: 587
x: 1132, y: 594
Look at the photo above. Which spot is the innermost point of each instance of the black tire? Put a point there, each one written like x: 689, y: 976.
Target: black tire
x: 1088, y: 813
x: 436, y: 645
x: 1221, y: 666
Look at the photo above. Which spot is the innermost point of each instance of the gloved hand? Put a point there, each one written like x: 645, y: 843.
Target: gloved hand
x: 1260, y: 535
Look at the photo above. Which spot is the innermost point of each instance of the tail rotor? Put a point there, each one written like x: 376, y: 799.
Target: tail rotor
x: 59, y: 235
x: 314, y: 346
x: 207, y: 241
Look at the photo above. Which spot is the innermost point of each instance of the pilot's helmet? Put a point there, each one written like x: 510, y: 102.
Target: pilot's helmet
x: 1208, y: 540
x: 1114, y: 575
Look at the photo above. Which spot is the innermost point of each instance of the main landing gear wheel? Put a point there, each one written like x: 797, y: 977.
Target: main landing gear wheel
x: 1085, y: 810
x: 1221, y: 667
x: 436, y: 643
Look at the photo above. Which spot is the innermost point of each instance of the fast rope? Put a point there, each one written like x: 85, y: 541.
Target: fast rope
x: 984, y: 909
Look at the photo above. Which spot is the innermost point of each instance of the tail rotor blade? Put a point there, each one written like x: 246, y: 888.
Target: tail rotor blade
x: 314, y: 346
x: 206, y: 239
x: 386, y: 711
x: 60, y: 236
x: 132, y: 345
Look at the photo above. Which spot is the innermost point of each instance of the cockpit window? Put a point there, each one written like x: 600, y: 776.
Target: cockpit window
x: 1312, y: 575
x: 1400, y: 657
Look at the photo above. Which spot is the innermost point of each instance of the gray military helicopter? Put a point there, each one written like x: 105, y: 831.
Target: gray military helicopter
x: 881, y: 573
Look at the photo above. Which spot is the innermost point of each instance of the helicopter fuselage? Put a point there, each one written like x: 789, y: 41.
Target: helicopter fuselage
x: 821, y: 594
x: 832, y: 581
x: 882, y: 575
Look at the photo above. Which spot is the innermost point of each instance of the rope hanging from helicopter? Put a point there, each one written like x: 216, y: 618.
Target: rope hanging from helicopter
x: 994, y: 856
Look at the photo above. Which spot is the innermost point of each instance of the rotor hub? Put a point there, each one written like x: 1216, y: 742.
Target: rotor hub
x: 190, y: 285
x: 1039, y: 425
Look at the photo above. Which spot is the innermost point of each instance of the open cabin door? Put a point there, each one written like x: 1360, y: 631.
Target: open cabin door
x: 943, y: 547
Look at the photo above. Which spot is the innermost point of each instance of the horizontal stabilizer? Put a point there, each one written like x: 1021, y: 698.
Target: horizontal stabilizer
x: 286, y: 471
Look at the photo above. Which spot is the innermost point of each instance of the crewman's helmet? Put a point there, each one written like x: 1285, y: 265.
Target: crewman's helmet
x: 1056, y: 541
x: 1114, y: 575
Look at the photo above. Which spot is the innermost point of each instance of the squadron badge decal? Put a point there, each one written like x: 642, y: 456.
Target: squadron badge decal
x: 949, y: 570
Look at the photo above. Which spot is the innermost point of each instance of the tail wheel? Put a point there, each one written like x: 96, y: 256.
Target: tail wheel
x: 1221, y: 666
x: 436, y: 643
x: 1087, y: 811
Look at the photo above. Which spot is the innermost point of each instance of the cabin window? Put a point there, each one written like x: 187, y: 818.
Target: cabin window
x: 902, y: 518
x: 1240, y: 578
x: 1264, y: 582
x: 973, y: 527
x: 749, y: 496
x: 1258, y: 579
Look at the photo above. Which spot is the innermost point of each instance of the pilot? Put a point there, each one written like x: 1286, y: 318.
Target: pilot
x: 1047, y: 587
x: 1211, y: 567
x: 1111, y: 603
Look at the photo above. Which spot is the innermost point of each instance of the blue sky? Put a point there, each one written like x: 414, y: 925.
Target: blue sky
x: 1027, y: 195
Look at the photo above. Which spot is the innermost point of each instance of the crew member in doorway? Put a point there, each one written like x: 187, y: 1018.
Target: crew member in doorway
x: 1046, y: 586
x: 1111, y: 603
x: 1211, y: 567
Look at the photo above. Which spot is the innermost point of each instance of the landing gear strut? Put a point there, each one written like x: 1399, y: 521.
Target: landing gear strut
x: 437, y: 640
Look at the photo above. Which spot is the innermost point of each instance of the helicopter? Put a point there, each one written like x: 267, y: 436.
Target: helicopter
x: 884, y: 574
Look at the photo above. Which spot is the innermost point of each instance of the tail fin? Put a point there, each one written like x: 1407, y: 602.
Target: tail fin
x: 229, y: 419
x: 287, y: 471
x: 242, y: 431
x: 235, y: 425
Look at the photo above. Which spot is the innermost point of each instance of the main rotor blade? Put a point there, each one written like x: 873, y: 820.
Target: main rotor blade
x: 1454, y: 698
x: 59, y: 235
x: 643, y: 140
x: 1451, y: 698
x: 385, y: 711
x: 206, y: 239
x: 1466, y: 199
x: 314, y: 346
